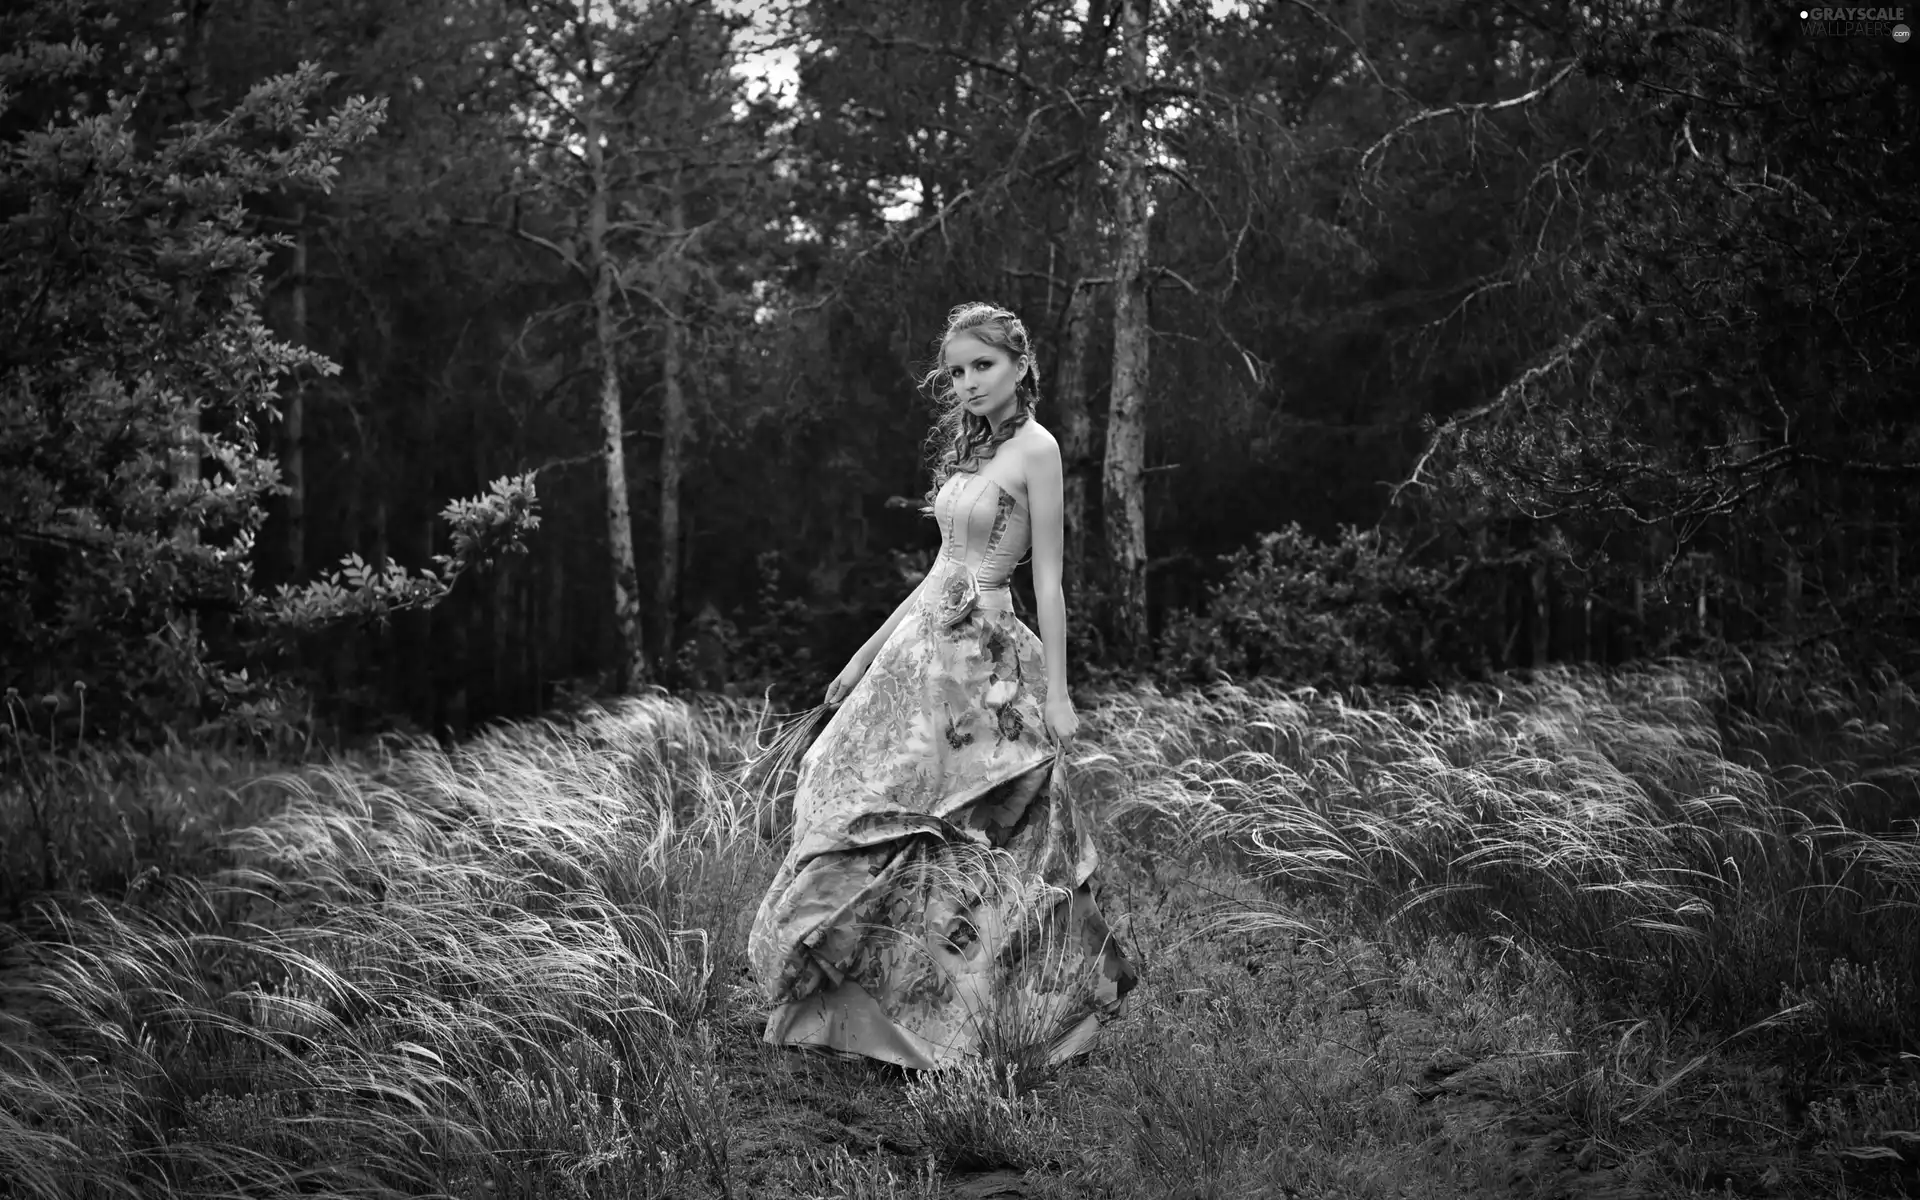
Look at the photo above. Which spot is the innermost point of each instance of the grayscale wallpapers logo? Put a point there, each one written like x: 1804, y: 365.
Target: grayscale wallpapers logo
x: 1850, y: 22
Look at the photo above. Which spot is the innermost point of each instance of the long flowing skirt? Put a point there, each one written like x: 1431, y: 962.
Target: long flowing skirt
x: 938, y: 899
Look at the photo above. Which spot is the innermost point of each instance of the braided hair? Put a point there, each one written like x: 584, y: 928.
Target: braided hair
x: 961, y: 440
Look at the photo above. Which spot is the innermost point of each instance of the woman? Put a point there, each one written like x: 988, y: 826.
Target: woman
x: 937, y: 900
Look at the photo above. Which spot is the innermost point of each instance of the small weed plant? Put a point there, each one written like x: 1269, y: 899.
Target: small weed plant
x: 974, y: 1116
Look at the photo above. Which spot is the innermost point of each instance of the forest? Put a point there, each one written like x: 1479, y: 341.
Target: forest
x: 439, y: 437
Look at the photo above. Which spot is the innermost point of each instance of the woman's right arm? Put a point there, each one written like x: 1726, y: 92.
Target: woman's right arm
x: 843, y: 683
x: 866, y: 654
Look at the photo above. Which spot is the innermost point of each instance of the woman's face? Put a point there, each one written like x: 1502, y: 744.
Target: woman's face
x: 984, y: 377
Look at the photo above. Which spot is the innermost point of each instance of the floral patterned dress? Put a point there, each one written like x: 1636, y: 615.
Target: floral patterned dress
x: 938, y: 895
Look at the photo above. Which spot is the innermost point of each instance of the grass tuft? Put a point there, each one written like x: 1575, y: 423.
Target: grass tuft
x: 977, y: 1117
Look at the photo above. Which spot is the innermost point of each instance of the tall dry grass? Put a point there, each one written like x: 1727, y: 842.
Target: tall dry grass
x: 1630, y: 824
x: 491, y: 970
x: 503, y: 969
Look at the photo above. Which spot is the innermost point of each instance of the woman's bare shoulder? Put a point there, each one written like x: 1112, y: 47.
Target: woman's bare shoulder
x: 1034, y: 437
x: 1039, y: 454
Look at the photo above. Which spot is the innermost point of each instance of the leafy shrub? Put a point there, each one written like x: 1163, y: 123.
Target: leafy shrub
x: 137, y: 378
x: 1355, y: 611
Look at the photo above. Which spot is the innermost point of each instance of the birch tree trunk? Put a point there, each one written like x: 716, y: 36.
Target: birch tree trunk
x: 675, y: 426
x: 1075, y: 422
x: 1125, y: 501
x: 1074, y: 425
x: 631, y: 670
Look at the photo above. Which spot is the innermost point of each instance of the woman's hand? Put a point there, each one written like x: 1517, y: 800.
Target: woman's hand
x: 842, y: 685
x: 1062, y: 721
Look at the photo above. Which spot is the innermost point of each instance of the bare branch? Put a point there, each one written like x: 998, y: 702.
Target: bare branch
x: 515, y: 230
x: 1862, y: 468
x: 1055, y: 280
x: 1178, y: 278
x: 1468, y: 110
x: 592, y: 456
x: 1480, y: 288
x: 958, y: 55
x: 939, y: 218
x: 1560, y: 356
x: 1359, y: 51
x: 628, y: 287
x: 936, y: 221
x: 1205, y: 197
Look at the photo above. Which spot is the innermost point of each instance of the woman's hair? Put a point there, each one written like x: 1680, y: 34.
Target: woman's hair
x: 960, y: 440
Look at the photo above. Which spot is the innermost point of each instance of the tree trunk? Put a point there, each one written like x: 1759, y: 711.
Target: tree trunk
x: 454, y: 670
x: 526, y: 606
x: 1542, y: 615
x: 502, y: 624
x: 1124, y: 495
x: 293, y: 453
x: 378, y: 638
x: 675, y: 429
x: 1510, y: 625
x: 1793, y: 587
x: 631, y: 669
x: 556, y: 650
x: 1075, y: 422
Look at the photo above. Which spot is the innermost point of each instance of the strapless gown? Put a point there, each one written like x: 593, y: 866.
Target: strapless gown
x: 939, y: 894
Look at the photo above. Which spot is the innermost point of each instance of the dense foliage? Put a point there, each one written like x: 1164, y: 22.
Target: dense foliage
x: 138, y: 380
x: 1736, y: 379
x: 1591, y: 312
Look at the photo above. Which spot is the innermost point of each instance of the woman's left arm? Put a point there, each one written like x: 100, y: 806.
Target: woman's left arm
x: 1046, y: 502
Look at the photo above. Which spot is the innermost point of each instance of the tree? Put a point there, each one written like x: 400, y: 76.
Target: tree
x: 1125, y: 499
x: 571, y: 60
x: 624, y: 113
x: 709, y: 196
x: 136, y: 376
x: 446, y: 380
x: 1732, y: 375
x: 601, y: 270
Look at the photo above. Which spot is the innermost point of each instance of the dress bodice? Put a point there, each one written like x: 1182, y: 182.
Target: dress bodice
x: 984, y: 530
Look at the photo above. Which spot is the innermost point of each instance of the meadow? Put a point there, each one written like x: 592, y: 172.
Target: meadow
x: 1647, y: 932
